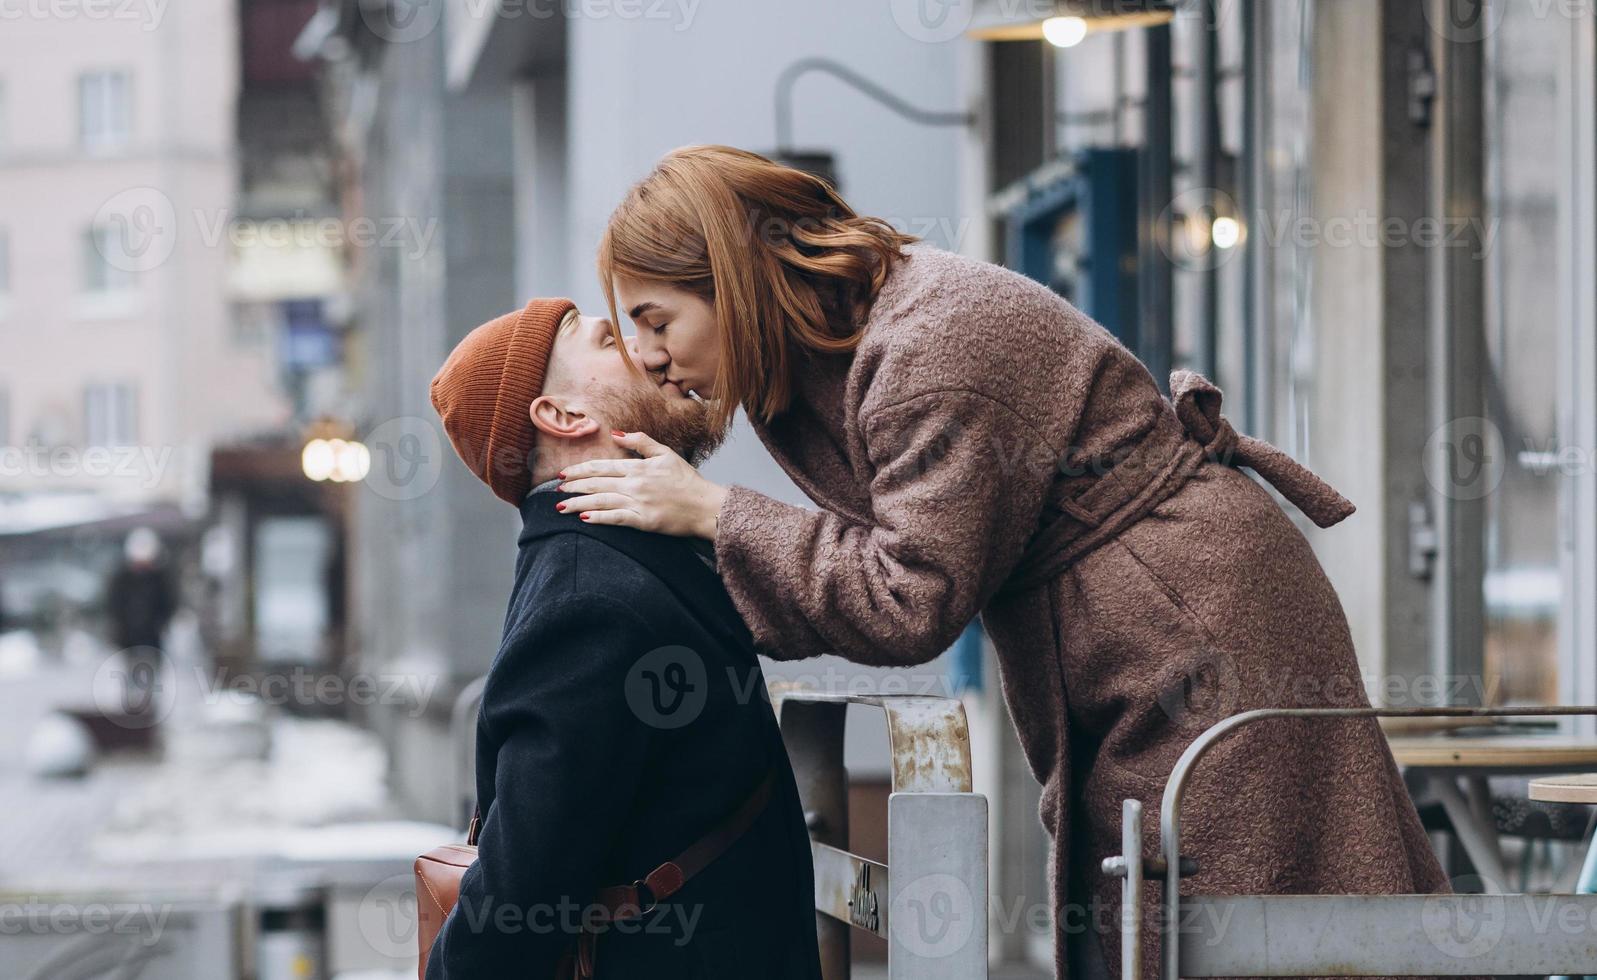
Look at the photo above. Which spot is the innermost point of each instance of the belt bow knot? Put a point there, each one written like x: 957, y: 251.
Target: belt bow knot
x: 1197, y: 405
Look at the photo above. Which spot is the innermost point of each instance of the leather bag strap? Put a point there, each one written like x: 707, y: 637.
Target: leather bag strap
x: 628, y: 901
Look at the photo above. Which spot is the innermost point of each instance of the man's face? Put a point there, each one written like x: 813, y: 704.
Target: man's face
x: 588, y: 374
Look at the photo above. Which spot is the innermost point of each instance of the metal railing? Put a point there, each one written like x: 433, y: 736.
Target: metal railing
x: 1339, y: 935
x: 929, y: 901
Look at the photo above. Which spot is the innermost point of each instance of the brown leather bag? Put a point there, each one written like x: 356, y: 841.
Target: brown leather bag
x: 438, y: 874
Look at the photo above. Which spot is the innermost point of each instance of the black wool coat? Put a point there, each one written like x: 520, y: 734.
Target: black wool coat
x: 624, y: 715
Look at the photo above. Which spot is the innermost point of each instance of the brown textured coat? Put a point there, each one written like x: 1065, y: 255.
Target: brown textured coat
x: 988, y: 448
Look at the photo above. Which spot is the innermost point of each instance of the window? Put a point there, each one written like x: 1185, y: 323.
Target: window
x: 110, y: 415
x: 105, y: 110
x: 292, y: 608
x: 107, y: 266
x: 1537, y: 549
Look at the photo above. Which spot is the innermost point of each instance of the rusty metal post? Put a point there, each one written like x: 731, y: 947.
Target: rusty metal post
x: 813, y: 732
x: 932, y: 906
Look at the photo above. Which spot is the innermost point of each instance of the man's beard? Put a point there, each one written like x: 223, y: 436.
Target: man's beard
x: 685, y: 425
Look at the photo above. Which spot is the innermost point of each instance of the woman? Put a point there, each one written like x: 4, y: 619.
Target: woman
x: 976, y: 444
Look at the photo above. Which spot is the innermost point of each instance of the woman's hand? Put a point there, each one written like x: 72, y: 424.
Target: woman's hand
x: 661, y: 492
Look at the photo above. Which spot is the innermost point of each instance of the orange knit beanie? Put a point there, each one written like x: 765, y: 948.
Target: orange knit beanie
x: 484, y: 389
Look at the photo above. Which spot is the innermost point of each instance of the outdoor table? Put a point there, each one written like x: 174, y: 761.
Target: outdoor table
x: 1565, y: 789
x: 1572, y: 789
x: 1455, y: 768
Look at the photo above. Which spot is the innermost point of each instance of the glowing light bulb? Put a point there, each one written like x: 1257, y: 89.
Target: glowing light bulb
x: 1225, y: 232
x: 318, y: 459
x: 1064, y: 32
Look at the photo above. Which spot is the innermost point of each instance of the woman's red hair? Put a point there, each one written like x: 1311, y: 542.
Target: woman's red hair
x: 785, y: 262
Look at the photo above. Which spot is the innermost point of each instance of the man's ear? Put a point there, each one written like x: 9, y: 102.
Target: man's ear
x: 557, y: 421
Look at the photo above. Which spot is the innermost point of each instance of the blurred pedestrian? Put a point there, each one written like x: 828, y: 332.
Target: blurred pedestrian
x: 141, y: 599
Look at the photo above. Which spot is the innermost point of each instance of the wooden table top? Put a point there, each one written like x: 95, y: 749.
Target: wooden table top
x: 1506, y: 752
x: 1565, y: 789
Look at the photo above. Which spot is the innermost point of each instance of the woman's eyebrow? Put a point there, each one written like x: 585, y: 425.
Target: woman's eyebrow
x: 642, y: 308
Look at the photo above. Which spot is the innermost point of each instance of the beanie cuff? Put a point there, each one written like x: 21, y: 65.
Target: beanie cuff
x: 512, y: 438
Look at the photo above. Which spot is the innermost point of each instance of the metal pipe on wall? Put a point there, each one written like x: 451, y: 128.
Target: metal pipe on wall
x: 1206, y: 175
x: 1154, y: 332
x: 1458, y: 344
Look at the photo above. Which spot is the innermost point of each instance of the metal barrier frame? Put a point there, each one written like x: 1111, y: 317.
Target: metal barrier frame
x: 935, y: 915
x: 1268, y: 943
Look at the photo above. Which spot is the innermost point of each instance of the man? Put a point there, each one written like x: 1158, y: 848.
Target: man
x: 140, y: 600
x: 624, y: 719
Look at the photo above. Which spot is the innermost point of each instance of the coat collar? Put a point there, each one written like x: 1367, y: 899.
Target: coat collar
x: 671, y: 559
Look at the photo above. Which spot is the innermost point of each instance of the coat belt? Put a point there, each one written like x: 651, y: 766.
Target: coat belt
x: 1192, y: 432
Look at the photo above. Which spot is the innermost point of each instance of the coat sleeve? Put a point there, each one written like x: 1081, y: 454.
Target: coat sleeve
x: 570, y: 754
x: 958, y: 486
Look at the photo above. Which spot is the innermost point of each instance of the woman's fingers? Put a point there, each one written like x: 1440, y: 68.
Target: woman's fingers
x: 623, y: 517
x: 594, y: 484
x: 594, y: 502
x: 660, y: 492
x: 641, y: 443
x: 600, y: 467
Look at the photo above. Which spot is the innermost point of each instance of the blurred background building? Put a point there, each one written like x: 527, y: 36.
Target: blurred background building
x: 237, y: 239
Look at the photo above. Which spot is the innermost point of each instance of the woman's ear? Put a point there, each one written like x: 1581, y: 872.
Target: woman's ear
x: 558, y: 421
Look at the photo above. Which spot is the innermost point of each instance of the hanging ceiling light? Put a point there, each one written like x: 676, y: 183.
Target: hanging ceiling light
x: 1070, y: 21
x: 1064, y: 32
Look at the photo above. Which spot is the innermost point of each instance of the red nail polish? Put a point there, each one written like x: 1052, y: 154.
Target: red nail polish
x: 561, y: 474
x: 617, y: 433
x: 584, y: 515
x: 561, y: 506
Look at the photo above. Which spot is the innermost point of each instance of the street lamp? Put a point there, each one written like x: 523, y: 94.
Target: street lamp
x: 332, y: 454
x: 338, y: 460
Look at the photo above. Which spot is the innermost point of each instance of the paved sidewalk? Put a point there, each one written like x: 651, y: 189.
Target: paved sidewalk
x: 231, y: 783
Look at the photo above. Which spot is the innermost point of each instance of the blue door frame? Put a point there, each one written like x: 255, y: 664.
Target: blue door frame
x: 1101, y: 190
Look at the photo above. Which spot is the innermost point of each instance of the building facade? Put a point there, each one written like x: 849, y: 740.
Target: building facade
x: 118, y: 171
